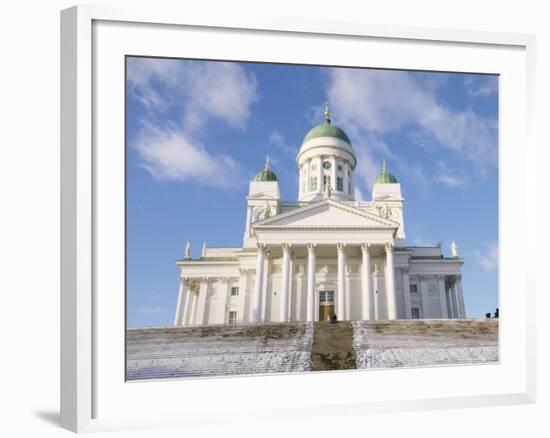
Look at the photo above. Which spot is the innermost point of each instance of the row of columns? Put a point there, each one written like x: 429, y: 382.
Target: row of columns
x: 451, y: 300
x: 192, y: 297
x: 191, y: 307
x: 342, y: 298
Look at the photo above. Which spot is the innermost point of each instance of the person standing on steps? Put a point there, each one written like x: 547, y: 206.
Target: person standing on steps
x: 333, y: 318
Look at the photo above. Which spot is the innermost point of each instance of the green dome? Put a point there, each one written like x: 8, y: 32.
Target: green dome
x: 266, y: 174
x: 385, y: 177
x: 326, y: 129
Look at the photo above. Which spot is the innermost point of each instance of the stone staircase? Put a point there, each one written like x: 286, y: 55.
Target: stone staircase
x: 219, y: 350
x: 332, y: 346
x: 170, y: 352
x: 428, y: 342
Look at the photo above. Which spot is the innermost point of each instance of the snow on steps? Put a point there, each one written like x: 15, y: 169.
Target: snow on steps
x: 218, y: 350
x: 406, y: 343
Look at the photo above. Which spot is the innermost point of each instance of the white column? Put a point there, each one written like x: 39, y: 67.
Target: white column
x: 454, y: 298
x: 347, y: 298
x: 285, y: 283
x: 298, y: 292
x: 333, y: 175
x: 264, y: 317
x: 182, y: 297
x: 256, y: 308
x: 376, y: 290
x: 311, y: 268
x: 241, y: 300
x: 390, y: 283
x: 423, y: 296
x: 340, y: 294
x: 320, y: 173
x: 442, y: 298
x: 366, y: 293
x: 308, y: 176
x: 188, y: 303
x: 201, y: 305
x: 316, y: 315
x: 346, y: 178
x: 291, y: 291
x: 450, y: 310
x: 407, y: 293
x: 194, y: 299
x: 460, y: 297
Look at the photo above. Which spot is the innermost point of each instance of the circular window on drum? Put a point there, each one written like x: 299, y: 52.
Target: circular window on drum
x: 327, y: 165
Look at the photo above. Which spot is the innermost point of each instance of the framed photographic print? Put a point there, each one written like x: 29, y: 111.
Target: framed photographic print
x: 264, y: 208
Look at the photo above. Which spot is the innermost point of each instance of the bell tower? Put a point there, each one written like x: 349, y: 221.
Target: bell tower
x: 263, y: 200
x: 388, y: 201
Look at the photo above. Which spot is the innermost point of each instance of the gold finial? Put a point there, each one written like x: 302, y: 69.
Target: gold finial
x: 327, y: 112
x: 267, y: 162
x: 384, y: 170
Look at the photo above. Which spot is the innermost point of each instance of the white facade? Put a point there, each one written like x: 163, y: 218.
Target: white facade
x: 324, y: 253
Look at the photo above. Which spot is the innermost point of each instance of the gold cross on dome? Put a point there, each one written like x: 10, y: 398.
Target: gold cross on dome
x: 327, y: 112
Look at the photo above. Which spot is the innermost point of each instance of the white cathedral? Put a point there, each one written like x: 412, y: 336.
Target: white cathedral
x: 324, y: 254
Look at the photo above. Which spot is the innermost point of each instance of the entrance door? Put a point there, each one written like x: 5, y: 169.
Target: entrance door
x: 326, y: 304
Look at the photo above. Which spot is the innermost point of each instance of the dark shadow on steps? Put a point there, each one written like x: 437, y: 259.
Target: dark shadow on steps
x: 333, y: 346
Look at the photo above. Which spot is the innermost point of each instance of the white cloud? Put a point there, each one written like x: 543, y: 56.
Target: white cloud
x: 367, y: 168
x: 147, y: 78
x: 170, y: 153
x: 449, y: 177
x: 450, y: 180
x: 151, y: 310
x: 222, y: 90
x: 204, y: 90
x: 380, y: 102
x: 196, y: 92
x: 481, y: 85
x: 358, y: 194
x: 279, y: 141
x: 488, y: 257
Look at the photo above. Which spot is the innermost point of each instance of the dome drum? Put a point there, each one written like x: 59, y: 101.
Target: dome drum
x: 325, y: 149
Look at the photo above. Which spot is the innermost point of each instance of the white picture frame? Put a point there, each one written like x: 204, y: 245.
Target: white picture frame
x: 92, y: 396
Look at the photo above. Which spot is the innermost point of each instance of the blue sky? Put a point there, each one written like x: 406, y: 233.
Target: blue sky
x: 198, y: 131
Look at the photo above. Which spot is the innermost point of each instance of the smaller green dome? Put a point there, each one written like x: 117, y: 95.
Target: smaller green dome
x: 385, y: 177
x: 266, y: 174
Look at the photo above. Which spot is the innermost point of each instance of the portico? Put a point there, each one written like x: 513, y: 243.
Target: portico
x: 317, y: 280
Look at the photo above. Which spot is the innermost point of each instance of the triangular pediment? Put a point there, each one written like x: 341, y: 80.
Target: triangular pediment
x: 327, y: 214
